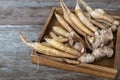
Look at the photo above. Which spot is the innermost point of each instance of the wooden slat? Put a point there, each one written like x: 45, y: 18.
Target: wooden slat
x: 23, y: 15
x: 117, y: 49
x: 48, y: 62
x: 106, y: 4
x: 20, y: 13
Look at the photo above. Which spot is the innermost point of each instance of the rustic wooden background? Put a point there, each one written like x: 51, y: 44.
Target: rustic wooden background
x: 28, y: 17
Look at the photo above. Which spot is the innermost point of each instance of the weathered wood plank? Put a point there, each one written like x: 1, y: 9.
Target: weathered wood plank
x: 106, y: 4
x: 33, y: 15
x: 23, y: 15
x: 36, y: 12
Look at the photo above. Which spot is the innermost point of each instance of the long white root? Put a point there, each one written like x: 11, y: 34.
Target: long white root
x: 84, y: 19
x: 99, y: 13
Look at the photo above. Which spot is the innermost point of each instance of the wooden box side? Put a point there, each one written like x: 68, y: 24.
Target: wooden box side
x: 50, y: 17
x: 117, y: 47
x: 48, y: 62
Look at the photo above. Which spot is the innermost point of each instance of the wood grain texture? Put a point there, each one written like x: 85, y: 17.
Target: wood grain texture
x: 117, y: 47
x: 36, y: 11
x: 80, y: 69
x: 28, y: 17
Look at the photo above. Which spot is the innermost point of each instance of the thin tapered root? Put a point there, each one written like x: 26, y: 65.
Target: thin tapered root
x: 23, y: 38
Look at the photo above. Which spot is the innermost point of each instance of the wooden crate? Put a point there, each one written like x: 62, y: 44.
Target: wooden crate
x: 106, y: 68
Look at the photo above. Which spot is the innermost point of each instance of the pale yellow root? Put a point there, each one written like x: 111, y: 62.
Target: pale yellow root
x: 66, y: 17
x: 97, y: 23
x: 87, y: 14
x: 71, y: 42
x: 105, y: 22
x: 102, y: 52
x: 77, y: 22
x: 61, y: 39
x: 79, y: 46
x: 62, y: 47
x: 116, y: 17
x: 99, y: 13
x: 80, y: 31
x: 69, y: 61
x: 93, y: 21
x: 52, y: 34
x: 64, y: 24
x: 84, y: 19
x: 58, y: 38
x: 43, y: 49
x: 60, y: 31
x: 106, y: 16
x: 87, y: 58
x: 45, y: 44
x: 86, y: 6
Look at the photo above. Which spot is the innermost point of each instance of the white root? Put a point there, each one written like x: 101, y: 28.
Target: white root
x: 96, y: 54
x: 65, y: 25
x: 97, y: 23
x: 115, y: 22
x: 44, y: 49
x: 61, y: 39
x: 87, y: 15
x: 52, y: 34
x: 102, y: 52
x: 105, y: 22
x: 87, y: 58
x: 70, y: 61
x: 71, y: 36
x: 94, y: 21
x: 84, y: 19
x: 116, y: 17
x: 66, y: 17
x: 101, y: 37
x: 77, y: 22
x: 79, y: 46
x: 58, y: 38
x: 45, y: 44
x: 62, y: 47
x: 60, y: 31
x: 88, y: 43
x: 114, y: 28
x: 99, y: 13
x: 91, y: 39
x: 71, y: 42
x: 86, y: 6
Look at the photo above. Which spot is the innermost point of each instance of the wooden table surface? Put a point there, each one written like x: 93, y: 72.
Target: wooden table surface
x: 28, y: 17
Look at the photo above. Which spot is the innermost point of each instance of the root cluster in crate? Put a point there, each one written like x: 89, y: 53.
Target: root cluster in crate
x: 83, y: 37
